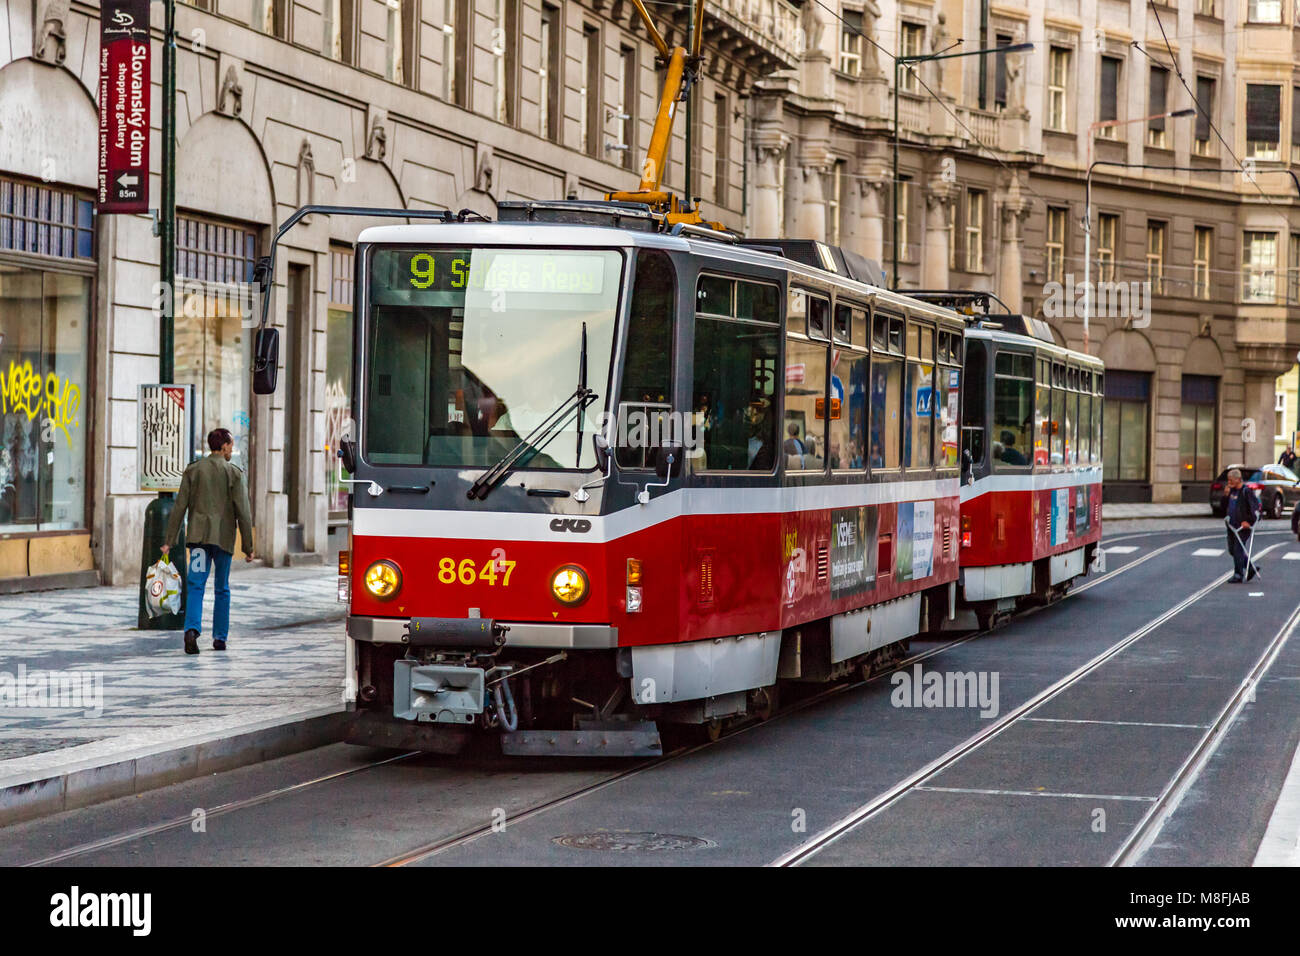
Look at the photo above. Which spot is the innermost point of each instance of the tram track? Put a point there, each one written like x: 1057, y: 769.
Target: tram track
x: 1155, y: 817
x: 436, y: 847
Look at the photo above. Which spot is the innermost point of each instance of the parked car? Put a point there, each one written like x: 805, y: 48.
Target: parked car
x: 1278, y: 488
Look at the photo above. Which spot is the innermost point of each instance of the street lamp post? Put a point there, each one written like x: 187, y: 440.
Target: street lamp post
x: 899, y: 62
x: 1087, y: 202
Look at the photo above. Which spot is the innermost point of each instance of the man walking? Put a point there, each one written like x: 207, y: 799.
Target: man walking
x: 1243, y: 512
x: 213, y: 492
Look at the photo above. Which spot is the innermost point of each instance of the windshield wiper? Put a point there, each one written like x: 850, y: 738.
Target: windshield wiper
x: 540, y: 437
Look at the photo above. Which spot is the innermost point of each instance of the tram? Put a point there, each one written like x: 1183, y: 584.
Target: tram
x: 1032, y: 440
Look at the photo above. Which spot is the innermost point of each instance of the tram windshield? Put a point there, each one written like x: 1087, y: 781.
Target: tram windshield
x: 469, y: 350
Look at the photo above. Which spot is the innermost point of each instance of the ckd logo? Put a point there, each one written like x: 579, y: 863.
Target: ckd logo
x: 575, y: 525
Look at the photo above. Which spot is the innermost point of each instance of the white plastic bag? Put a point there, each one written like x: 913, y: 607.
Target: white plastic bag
x: 162, y: 588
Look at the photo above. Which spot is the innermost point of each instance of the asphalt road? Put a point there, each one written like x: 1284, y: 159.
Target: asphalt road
x: 1106, y: 742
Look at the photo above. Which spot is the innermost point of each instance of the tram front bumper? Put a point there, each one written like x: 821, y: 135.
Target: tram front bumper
x: 394, y: 630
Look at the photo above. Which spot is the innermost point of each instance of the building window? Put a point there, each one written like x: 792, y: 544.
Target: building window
x: 1205, y: 8
x: 913, y: 37
x: 338, y: 374
x: 952, y: 236
x: 1204, y: 114
x: 1293, y: 270
x: 1056, y: 244
x: 1295, y: 122
x: 1279, y: 418
x: 550, y: 75
x: 46, y: 221
x: 456, y: 22
x: 1197, y: 434
x: 1263, y: 120
x: 1058, y: 75
x: 1264, y: 11
x: 1126, y: 412
x: 1157, y: 106
x: 975, y: 204
x: 400, y: 39
x: 1107, y: 230
x: 1259, y: 267
x: 272, y: 17
x: 1201, y: 262
x: 505, y: 56
x: 1156, y: 257
x: 589, y: 93
x: 1000, y: 74
x: 627, y: 97
x: 833, y: 204
x: 213, y: 351
x: 851, y: 43
x: 722, y: 150
x: 1108, y: 105
x: 901, y: 217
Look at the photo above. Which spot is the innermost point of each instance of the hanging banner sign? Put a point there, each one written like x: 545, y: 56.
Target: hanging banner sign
x: 124, y: 106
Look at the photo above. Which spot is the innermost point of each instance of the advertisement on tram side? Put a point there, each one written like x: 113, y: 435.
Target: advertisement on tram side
x: 853, y: 550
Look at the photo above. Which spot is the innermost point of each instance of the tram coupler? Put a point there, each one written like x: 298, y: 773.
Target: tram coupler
x: 455, y: 633
x: 437, y: 692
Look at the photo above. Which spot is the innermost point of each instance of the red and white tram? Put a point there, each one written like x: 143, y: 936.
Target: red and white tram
x: 1031, y: 504
x: 606, y: 477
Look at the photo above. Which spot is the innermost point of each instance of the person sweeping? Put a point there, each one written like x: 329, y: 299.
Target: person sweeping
x: 1243, y: 512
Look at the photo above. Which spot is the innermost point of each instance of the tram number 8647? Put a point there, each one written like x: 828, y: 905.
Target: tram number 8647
x: 468, y: 571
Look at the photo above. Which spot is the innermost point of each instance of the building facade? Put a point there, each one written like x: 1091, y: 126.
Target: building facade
x: 446, y: 104
x: 1200, y: 311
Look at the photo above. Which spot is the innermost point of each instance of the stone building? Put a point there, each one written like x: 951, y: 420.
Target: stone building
x: 448, y: 104
x: 994, y: 156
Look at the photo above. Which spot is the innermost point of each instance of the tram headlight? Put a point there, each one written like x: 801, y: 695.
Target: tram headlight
x: 570, y: 585
x: 383, y: 580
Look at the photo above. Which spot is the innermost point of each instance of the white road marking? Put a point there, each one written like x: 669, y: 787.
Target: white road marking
x: 1256, y: 593
x: 1121, y: 549
x: 1115, y: 723
x: 1207, y: 552
x: 1291, y: 556
x: 1281, y: 843
x: 1036, y: 793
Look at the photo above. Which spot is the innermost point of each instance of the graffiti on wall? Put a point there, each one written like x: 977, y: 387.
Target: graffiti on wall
x: 55, y: 398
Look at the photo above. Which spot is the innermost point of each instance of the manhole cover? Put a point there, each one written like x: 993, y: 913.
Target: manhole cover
x: 632, y: 841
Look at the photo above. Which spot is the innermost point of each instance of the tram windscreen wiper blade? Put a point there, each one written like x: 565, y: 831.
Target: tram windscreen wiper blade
x: 540, y: 436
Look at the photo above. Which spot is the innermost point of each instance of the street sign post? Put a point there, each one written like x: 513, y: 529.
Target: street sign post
x: 124, y: 106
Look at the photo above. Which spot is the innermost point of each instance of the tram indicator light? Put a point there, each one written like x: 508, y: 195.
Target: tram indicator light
x: 633, y: 571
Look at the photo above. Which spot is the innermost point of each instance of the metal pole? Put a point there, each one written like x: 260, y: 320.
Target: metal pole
x: 1087, y: 250
x: 167, y: 203
x: 690, y: 109
x: 893, y: 272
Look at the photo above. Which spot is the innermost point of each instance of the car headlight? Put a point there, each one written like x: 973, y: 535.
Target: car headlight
x: 570, y: 585
x: 383, y: 580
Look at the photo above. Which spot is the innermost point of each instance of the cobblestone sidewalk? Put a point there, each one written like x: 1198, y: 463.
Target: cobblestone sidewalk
x: 286, y: 647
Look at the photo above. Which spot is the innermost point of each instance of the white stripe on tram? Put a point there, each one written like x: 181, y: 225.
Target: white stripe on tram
x: 1026, y: 482
x: 471, y: 524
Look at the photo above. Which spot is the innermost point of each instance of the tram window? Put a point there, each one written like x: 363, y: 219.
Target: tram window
x: 927, y: 344
x: 1013, y: 410
x: 1058, y: 426
x: 1084, y: 428
x: 806, y: 407
x: 886, y: 421
x: 757, y: 301
x: 973, y: 402
x: 880, y: 332
x: 645, y: 398
x: 849, y: 431
x: 713, y: 295
x: 819, y: 312
x: 735, y: 382
x: 860, y: 328
x: 1042, y: 419
x: 1068, y: 418
x: 1098, y: 409
x: 918, y: 427
x: 843, y: 323
x: 913, y: 340
x: 796, y: 312
x: 948, y: 394
x: 896, y: 336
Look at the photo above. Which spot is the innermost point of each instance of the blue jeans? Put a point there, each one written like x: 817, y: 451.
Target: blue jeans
x: 204, y: 557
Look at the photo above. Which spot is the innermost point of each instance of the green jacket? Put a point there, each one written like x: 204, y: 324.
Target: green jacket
x: 213, y: 492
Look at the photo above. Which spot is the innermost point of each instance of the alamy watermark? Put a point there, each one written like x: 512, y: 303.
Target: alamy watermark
x: 919, y: 688
x: 53, y: 690
x: 1109, y: 300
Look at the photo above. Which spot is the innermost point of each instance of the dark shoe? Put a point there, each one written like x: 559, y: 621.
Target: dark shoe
x: 1251, y: 575
x: 191, y: 642
x: 218, y: 645
x: 1235, y: 579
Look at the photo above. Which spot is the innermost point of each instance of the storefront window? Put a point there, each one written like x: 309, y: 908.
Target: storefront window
x: 1126, y: 411
x: 338, y: 374
x: 212, y: 347
x: 1197, y: 435
x: 44, y: 324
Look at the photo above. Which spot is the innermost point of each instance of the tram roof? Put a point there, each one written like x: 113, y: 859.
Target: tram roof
x: 561, y: 235
x: 979, y: 331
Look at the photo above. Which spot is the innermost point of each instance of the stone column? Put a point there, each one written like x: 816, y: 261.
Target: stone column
x: 871, y: 218
x: 1014, y: 211
x: 811, y: 216
x: 939, y: 195
x: 1262, y: 365
x: 768, y: 214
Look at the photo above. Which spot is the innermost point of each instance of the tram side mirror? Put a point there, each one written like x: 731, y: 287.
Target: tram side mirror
x: 348, y: 454
x: 601, y: 444
x: 266, y: 361
x: 668, y: 463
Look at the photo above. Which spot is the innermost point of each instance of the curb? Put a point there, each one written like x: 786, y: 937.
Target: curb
x: 45, y: 784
